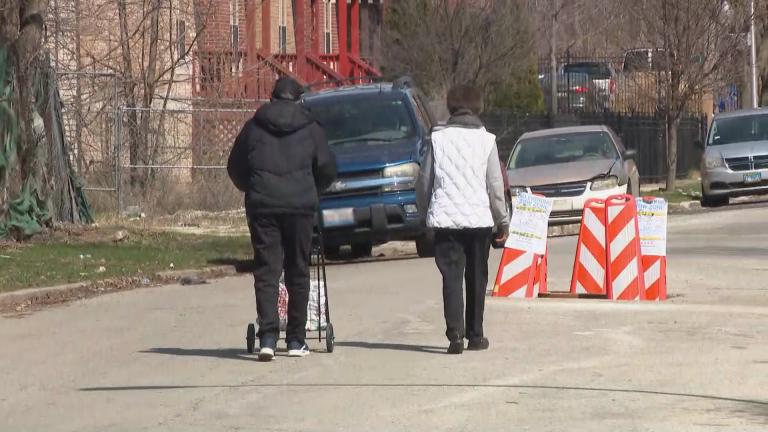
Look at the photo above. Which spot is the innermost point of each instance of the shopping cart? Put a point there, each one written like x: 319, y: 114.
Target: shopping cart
x: 324, y: 332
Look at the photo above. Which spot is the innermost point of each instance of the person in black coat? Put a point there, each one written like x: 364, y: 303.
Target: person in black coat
x: 281, y: 161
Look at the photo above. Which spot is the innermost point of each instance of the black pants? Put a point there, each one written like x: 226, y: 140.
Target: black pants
x: 281, y: 242
x: 463, y: 254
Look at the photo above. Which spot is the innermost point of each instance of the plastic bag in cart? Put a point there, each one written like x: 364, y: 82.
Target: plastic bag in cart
x: 312, y: 306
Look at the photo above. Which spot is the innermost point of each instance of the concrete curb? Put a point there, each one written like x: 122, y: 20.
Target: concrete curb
x: 20, y: 296
x: 685, y: 206
x: 564, y: 230
x: 20, y: 300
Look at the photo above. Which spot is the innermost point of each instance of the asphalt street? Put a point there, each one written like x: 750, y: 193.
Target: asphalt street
x: 173, y: 358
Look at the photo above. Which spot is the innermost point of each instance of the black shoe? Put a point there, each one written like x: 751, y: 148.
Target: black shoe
x: 267, y: 347
x: 297, y: 349
x: 479, y: 344
x: 456, y: 347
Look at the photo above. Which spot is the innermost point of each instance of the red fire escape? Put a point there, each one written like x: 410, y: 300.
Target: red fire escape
x: 255, y: 70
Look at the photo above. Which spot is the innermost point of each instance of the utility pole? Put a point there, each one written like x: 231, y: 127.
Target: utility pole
x: 753, y: 53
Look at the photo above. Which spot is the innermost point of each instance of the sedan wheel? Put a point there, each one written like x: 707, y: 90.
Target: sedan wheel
x: 710, y: 201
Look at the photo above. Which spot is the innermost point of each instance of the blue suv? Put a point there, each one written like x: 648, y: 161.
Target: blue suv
x: 379, y: 133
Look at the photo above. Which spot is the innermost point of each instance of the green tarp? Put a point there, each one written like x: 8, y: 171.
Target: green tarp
x: 28, y: 209
x: 27, y: 215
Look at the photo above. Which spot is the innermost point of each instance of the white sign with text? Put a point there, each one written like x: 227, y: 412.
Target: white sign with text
x: 652, y: 223
x: 529, y: 225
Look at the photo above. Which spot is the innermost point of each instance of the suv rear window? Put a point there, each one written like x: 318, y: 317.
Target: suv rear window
x: 595, y: 70
x: 375, y: 119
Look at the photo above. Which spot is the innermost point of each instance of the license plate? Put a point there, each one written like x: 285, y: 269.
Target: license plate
x: 754, y: 177
x: 339, y: 217
x: 561, y: 205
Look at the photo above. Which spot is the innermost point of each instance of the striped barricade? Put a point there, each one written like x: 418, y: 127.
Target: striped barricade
x: 589, y: 266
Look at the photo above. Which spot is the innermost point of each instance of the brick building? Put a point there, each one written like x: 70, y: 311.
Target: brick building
x: 247, y: 43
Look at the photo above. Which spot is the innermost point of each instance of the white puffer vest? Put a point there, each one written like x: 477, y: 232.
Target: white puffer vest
x: 460, y: 194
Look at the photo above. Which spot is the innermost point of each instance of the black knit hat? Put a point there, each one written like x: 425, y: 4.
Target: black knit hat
x: 466, y: 97
x: 286, y: 88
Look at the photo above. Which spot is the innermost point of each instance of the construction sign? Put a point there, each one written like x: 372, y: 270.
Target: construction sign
x: 652, y: 222
x: 528, y: 227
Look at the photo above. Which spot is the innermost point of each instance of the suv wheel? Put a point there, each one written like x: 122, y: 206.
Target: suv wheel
x: 362, y: 250
x: 425, y: 245
x: 332, y: 252
x: 710, y: 201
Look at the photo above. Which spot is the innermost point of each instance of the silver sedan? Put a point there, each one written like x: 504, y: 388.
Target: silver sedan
x: 572, y: 165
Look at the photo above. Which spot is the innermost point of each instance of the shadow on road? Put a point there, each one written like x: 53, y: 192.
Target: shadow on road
x: 760, y: 405
x: 393, y: 347
x: 224, y: 353
x: 247, y: 266
x: 758, y: 413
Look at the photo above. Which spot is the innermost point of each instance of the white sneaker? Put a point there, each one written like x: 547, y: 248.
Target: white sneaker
x: 266, y: 354
x: 298, y: 349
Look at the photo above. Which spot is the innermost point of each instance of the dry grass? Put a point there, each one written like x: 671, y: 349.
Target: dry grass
x: 80, y: 254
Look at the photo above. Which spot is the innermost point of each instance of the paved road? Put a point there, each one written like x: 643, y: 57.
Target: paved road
x: 172, y: 358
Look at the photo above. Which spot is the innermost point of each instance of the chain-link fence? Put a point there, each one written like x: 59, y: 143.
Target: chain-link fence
x: 174, y: 160
x: 90, y: 101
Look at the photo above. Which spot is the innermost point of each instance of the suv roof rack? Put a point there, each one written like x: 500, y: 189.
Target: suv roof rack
x: 372, y: 78
x: 402, y: 83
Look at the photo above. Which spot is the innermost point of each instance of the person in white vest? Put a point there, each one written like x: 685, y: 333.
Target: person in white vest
x: 461, y: 190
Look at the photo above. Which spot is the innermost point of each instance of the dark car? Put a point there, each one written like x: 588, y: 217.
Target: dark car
x: 602, y: 76
x: 378, y: 133
x: 576, y: 92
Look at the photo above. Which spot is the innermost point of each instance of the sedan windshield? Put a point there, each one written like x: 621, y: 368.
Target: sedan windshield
x: 739, y: 129
x: 556, y: 149
x: 371, y: 119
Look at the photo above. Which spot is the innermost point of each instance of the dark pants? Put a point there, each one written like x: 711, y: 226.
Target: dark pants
x: 455, y: 251
x: 281, y: 242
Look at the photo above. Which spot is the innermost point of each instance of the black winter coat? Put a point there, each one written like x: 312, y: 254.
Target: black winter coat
x: 281, y: 160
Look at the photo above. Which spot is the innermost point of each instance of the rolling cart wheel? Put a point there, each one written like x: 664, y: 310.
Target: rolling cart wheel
x: 250, y: 338
x: 329, y: 338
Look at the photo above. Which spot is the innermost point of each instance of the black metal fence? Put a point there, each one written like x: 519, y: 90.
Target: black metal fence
x: 644, y: 133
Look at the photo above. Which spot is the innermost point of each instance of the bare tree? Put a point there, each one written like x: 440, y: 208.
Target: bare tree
x: 138, y: 41
x: 145, y: 69
x: 696, y: 37
x: 556, y: 8
x: 586, y: 27
x: 21, y: 39
x: 761, y: 30
x: 445, y: 42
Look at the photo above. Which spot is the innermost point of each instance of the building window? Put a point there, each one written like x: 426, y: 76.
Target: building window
x: 234, y: 34
x: 181, y: 38
x: 282, y: 36
x: 283, y: 39
x: 233, y: 13
x: 328, y: 27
